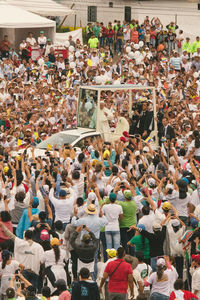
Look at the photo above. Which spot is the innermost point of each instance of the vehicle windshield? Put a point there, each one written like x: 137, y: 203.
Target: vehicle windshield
x: 87, y: 108
x: 58, y: 139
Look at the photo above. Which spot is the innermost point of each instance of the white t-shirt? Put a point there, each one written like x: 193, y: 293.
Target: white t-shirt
x: 147, y: 221
x: 112, y: 212
x: 182, y: 206
x: 161, y: 287
x: 63, y: 207
x: 145, y: 271
x: 6, y: 275
x: 29, y: 254
x: 196, y: 282
x: 32, y: 40
x: 49, y: 258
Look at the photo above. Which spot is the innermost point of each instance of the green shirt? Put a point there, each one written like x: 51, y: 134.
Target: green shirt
x: 96, y: 30
x: 195, y: 45
x: 129, y: 212
x: 93, y: 43
x: 186, y: 46
x: 137, y: 241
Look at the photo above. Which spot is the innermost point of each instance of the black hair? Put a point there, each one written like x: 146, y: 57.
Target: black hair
x: 145, y: 210
x: 58, y: 225
x: 56, y: 250
x: 115, y: 170
x: 120, y: 252
x: 197, y: 139
x: 75, y: 174
x: 178, y: 284
x: 10, y: 293
x: 28, y: 234
x: 19, y: 177
x: 96, y: 154
x: 81, y: 157
x: 20, y: 196
x: 140, y: 256
x: 5, y: 216
x: 84, y: 273
x: 42, y: 216
x: 46, y: 291
x: 5, y: 254
x: 124, y: 163
x: 182, y: 152
x: 79, y: 201
x: 183, y: 189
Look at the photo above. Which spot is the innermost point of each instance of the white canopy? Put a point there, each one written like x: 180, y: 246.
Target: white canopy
x: 15, y: 17
x: 43, y: 7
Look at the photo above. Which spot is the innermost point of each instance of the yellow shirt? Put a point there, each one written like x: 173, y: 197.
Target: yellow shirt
x: 93, y: 43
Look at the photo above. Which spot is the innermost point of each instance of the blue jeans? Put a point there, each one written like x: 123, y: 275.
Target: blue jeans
x: 32, y: 278
x: 103, y: 241
x: 119, y: 45
x: 112, y: 239
x: 102, y: 41
x: 109, y: 42
x: 94, y: 276
x: 158, y: 296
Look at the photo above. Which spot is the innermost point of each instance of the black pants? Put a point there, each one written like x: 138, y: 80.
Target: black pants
x: 179, y: 265
x: 4, y: 54
x: 74, y: 259
x: 126, y: 236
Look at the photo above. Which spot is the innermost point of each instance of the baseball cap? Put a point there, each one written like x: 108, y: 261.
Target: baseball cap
x: 112, y: 196
x: 44, y: 235
x: 141, y: 226
x: 161, y: 262
x: 62, y: 193
x: 128, y: 194
x: 55, y: 242
x: 137, y: 153
x: 175, y: 223
x: 35, y: 201
x: 151, y: 181
x: 111, y: 252
x: 166, y: 206
x: 193, y: 222
x: 157, y: 226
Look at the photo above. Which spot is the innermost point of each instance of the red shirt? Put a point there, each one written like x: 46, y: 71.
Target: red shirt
x: 118, y: 282
x: 187, y: 296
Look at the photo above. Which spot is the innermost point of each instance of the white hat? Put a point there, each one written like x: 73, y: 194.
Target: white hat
x: 175, y: 223
x: 161, y: 262
x: 92, y: 196
x: 198, y: 124
x: 151, y: 181
x: 157, y: 226
x: 146, y: 149
x: 137, y: 153
x: 169, y: 186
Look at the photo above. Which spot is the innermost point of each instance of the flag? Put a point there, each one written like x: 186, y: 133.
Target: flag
x: 148, y: 140
x: 162, y: 94
x: 89, y: 62
x: 36, y: 134
x: 19, y: 142
x: 49, y: 147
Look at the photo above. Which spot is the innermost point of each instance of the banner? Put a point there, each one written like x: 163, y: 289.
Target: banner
x: 60, y: 38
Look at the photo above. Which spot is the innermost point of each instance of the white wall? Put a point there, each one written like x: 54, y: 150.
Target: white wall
x: 187, y: 15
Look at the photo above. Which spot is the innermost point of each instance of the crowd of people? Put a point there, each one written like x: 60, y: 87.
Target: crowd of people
x: 114, y: 220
